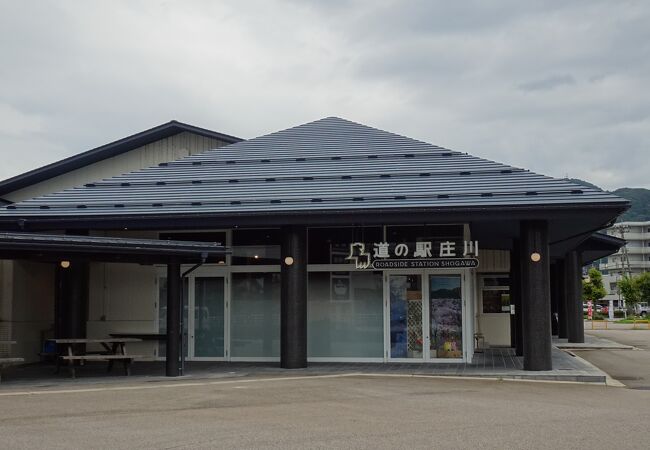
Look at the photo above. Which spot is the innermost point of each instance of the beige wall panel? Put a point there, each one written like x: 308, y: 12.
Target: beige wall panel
x: 131, y: 292
x: 122, y: 299
x: 97, y: 295
x: 494, y: 261
x: 164, y: 150
x: 33, y: 291
x: 495, y: 328
x: 33, y: 307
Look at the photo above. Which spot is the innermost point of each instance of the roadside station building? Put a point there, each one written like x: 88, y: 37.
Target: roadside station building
x: 338, y: 242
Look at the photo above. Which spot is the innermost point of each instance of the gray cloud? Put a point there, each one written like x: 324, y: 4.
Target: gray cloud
x: 557, y: 87
x: 547, y: 83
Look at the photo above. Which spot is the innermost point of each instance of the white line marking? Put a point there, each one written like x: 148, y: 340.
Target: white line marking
x: 296, y: 378
x: 172, y: 385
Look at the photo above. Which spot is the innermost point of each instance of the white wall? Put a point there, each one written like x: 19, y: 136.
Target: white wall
x: 123, y: 300
x: 164, y: 150
x: 27, y: 306
x: 494, y: 327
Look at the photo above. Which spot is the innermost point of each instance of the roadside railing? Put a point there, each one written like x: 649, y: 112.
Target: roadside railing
x: 608, y: 324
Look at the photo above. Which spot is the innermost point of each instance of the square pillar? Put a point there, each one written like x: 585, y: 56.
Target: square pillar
x: 71, y: 300
x: 573, y: 292
x: 536, y: 298
x: 561, y: 299
x: 555, y: 287
x: 516, y: 323
x: 293, y: 306
x: 173, y: 363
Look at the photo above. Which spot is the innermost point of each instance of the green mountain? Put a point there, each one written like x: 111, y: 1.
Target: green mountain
x: 639, y: 200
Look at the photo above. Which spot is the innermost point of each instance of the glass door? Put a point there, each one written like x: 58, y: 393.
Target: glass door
x: 406, y: 315
x: 208, y: 328
x: 445, y: 317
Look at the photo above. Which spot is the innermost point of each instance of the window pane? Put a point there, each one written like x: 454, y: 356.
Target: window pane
x: 208, y: 316
x: 496, y: 281
x: 436, y: 234
x: 256, y: 247
x: 345, y: 315
x: 255, y: 316
x: 332, y: 245
x: 496, y: 301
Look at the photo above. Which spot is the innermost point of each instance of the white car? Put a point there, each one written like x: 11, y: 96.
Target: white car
x: 642, y: 309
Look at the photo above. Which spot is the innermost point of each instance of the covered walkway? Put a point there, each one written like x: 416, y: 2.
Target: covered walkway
x: 494, y: 363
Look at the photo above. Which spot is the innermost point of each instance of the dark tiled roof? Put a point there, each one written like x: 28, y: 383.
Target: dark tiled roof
x: 329, y: 164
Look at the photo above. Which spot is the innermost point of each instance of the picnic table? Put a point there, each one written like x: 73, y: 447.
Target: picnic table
x: 142, y: 336
x: 70, y: 350
x: 8, y: 361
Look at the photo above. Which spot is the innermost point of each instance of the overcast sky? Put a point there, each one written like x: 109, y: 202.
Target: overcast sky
x: 558, y: 87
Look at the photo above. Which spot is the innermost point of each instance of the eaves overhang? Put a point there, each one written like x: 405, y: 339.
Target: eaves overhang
x: 565, y: 221
x: 56, y: 247
x: 598, y: 246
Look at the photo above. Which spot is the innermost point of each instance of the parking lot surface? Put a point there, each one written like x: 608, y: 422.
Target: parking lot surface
x: 338, y: 411
x: 630, y: 367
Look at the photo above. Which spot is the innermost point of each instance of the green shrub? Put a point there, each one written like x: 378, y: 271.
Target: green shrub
x: 597, y: 316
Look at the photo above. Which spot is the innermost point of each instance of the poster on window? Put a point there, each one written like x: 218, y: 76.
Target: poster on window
x: 340, y: 286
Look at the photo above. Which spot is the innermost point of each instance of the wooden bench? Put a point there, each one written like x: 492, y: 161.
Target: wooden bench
x: 114, y: 350
x: 126, y: 359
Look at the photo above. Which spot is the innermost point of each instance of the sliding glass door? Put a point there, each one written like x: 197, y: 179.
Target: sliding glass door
x: 204, y: 331
x: 425, y: 316
x: 445, y: 316
x: 209, y: 317
x: 405, y: 316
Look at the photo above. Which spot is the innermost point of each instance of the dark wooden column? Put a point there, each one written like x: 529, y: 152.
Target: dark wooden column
x: 516, y: 292
x: 536, y: 298
x: 513, y: 321
x: 293, y: 314
x: 555, y: 288
x: 561, y: 300
x: 71, y: 300
x: 71, y: 296
x: 173, y: 364
x: 573, y: 282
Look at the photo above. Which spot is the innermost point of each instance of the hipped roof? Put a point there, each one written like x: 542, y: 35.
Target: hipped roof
x: 328, y: 165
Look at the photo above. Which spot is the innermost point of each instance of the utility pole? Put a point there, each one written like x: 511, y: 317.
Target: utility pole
x: 626, y: 270
x: 625, y: 257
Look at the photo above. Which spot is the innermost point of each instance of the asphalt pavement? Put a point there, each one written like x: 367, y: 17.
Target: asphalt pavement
x: 344, y: 411
x: 630, y: 367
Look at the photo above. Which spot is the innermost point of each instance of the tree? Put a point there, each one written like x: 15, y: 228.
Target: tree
x: 592, y: 289
x: 643, y: 283
x: 629, y: 287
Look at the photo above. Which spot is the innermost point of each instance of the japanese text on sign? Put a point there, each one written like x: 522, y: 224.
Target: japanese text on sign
x: 423, y: 250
